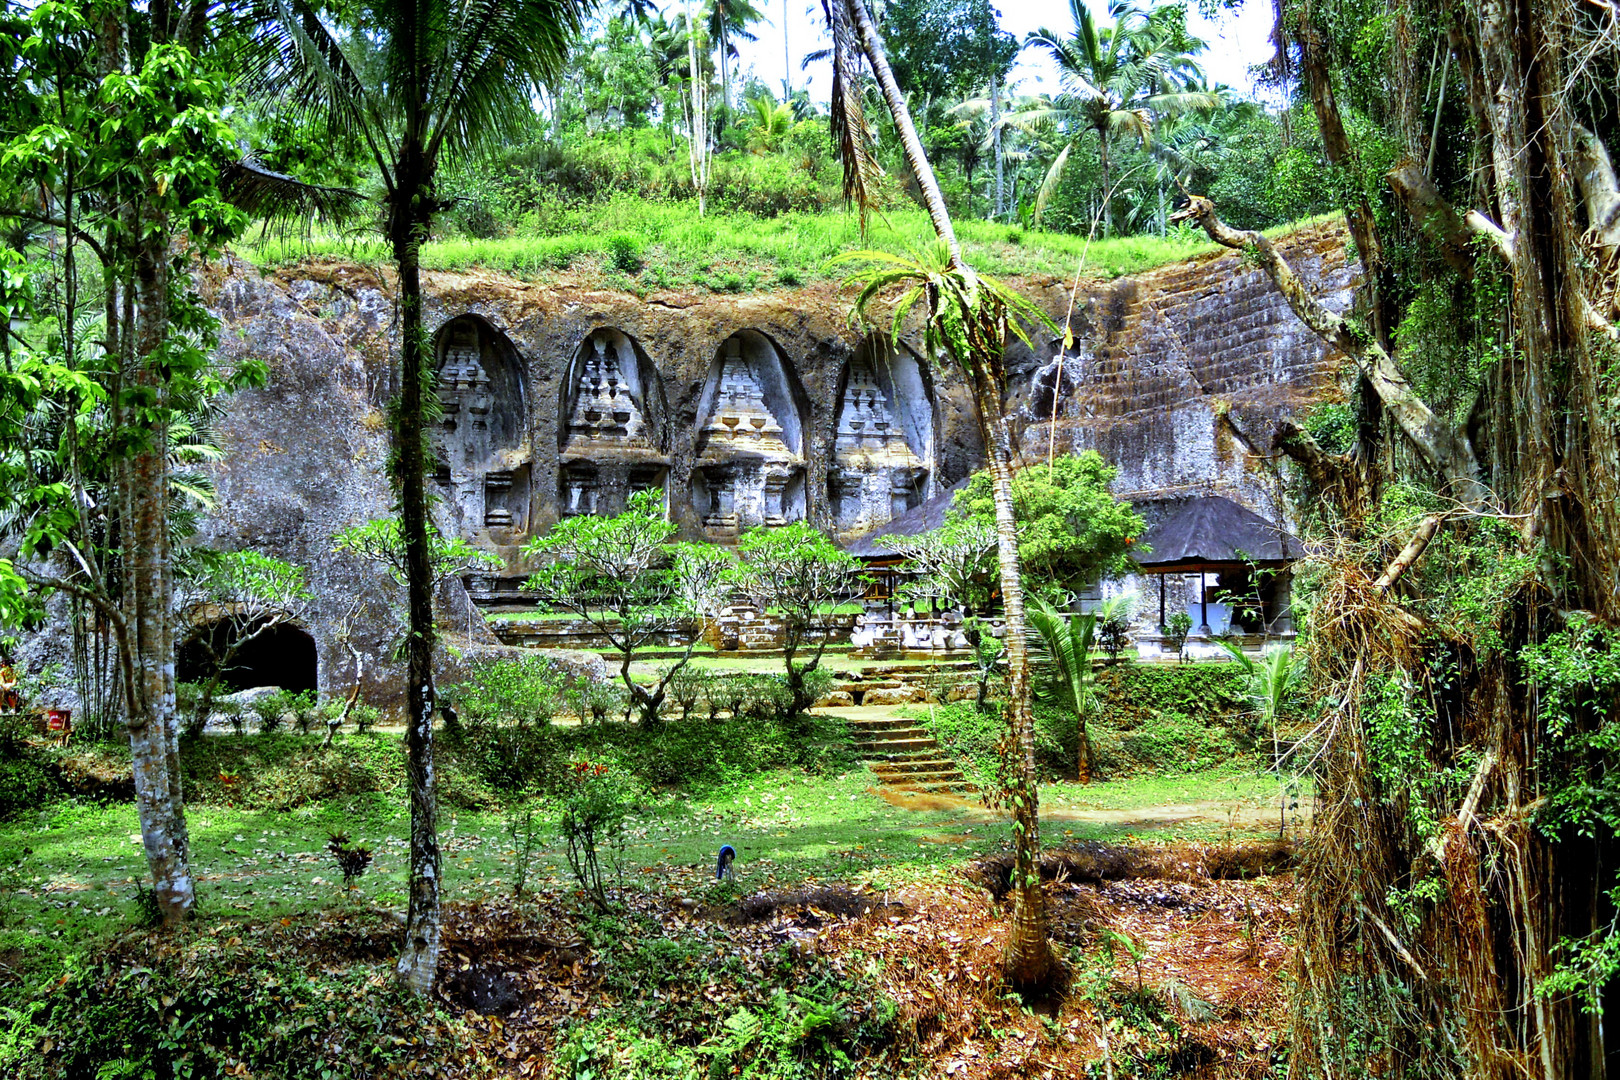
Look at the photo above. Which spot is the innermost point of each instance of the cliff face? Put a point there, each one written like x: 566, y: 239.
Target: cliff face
x: 1158, y: 358
x: 746, y: 410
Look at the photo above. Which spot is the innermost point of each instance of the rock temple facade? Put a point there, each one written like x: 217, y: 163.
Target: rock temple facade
x: 743, y: 411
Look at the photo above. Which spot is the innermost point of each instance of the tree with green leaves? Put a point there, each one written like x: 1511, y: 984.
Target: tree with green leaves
x: 626, y: 577
x: 728, y: 23
x: 969, y: 319
x: 1271, y: 680
x: 800, y: 575
x: 1115, y: 82
x: 943, y: 50
x: 768, y: 124
x: 951, y: 566
x: 1071, y: 529
x: 413, y: 82
x: 116, y: 172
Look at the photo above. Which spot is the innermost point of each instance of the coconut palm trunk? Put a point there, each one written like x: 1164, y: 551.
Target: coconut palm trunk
x: 1028, y: 955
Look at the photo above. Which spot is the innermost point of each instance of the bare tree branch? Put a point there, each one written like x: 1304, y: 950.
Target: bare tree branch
x: 1442, y: 447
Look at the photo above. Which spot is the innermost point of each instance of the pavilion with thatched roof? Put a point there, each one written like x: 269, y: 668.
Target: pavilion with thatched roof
x: 1211, y: 534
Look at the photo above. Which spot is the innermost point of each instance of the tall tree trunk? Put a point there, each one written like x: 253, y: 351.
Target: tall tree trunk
x: 1000, y: 207
x: 1029, y: 955
x: 787, y: 57
x: 1107, y: 195
x: 153, y: 731
x: 698, y: 149
x: 725, y: 80
x: 410, y: 218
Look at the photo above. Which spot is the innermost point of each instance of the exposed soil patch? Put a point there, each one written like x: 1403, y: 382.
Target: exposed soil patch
x: 483, y: 990
x: 1205, y: 950
x: 835, y: 900
x: 1098, y: 862
x: 927, y: 801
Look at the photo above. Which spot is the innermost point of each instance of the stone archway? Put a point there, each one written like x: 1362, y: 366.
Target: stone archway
x: 883, y: 446
x: 283, y: 655
x: 750, y: 461
x: 483, y: 460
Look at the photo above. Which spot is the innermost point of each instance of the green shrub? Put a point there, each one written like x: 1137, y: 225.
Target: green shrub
x: 504, y: 732
x: 685, y: 687
x: 150, y: 1015
x: 702, y: 752
x: 972, y: 737
x: 624, y: 253
x: 596, y: 802
x: 26, y: 783
x: 271, y: 711
x: 1165, y: 742
x: 305, y: 707
x: 1132, y: 692
x: 1176, y: 629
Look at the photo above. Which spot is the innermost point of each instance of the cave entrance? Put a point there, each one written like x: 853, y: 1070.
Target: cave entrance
x: 247, y: 656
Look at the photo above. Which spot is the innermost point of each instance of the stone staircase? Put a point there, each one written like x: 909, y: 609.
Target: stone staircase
x: 904, y: 755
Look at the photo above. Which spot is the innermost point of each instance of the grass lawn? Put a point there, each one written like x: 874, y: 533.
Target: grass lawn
x: 740, y: 252
x: 68, y: 874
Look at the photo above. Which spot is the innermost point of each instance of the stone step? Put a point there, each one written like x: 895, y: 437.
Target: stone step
x: 925, y: 669
x: 897, y: 746
x: 954, y: 786
x: 892, y: 735
x: 914, y: 779
x: 860, y: 725
x: 914, y: 765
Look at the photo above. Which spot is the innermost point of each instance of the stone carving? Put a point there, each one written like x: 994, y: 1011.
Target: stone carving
x: 479, y: 458
x: 876, y: 474
x: 611, y: 437
x: 745, y: 465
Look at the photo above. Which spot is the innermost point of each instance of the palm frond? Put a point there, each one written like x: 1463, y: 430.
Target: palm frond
x: 1049, y: 185
x: 288, y: 55
x: 852, y: 135
x: 495, y: 57
x: 261, y: 192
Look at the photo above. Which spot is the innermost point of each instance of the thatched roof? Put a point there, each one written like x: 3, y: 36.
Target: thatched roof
x: 1210, y: 530
x: 925, y: 517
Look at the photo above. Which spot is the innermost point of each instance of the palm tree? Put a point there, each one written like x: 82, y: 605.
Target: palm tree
x: 729, y: 20
x: 967, y: 318
x: 1271, y: 679
x: 1068, y: 640
x: 768, y: 123
x: 1116, y: 81
x: 448, y: 77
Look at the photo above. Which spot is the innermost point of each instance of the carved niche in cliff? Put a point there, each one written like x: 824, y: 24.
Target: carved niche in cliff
x: 613, y: 437
x: 750, y: 446
x: 481, y: 446
x: 884, y: 442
